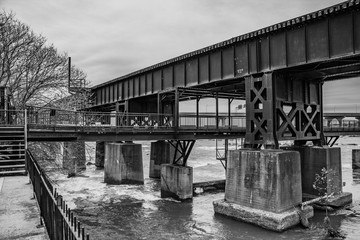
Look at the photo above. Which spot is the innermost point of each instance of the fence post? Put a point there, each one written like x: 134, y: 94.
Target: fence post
x: 25, y: 128
x: 58, y: 217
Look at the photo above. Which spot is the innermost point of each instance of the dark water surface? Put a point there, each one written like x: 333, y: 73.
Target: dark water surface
x: 138, y: 212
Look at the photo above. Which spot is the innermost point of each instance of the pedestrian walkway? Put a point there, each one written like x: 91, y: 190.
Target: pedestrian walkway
x: 19, y: 213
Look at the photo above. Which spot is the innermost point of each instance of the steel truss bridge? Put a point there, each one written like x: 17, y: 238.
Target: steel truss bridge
x: 278, y: 70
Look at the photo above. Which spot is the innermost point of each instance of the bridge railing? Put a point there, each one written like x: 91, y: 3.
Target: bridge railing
x: 48, y: 116
x: 12, y: 117
x: 123, y: 119
x: 343, y: 126
x: 58, y: 117
x: 210, y: 121
x: 202, y: 121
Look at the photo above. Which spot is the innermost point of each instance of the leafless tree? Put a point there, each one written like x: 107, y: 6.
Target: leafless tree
x: 36, y: 74
x: 33, y: 71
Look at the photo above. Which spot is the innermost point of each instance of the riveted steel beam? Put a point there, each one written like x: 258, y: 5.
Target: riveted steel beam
x: 280, y: 108
x: 324, y: 36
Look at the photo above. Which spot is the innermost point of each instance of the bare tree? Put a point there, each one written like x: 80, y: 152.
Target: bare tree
x: 33, y: 72
x: 36, y: 74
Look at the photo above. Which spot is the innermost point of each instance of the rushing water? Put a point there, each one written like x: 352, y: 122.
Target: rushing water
x: 138, y: 212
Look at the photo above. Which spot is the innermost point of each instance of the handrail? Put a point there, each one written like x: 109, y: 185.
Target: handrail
x: 12, y: 117
x: 78, y: 119
x: 59, y: 220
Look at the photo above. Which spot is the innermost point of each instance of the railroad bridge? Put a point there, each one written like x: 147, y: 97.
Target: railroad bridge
x: 279, y: 71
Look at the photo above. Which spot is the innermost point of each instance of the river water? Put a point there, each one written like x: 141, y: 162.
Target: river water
x: 138, y: 212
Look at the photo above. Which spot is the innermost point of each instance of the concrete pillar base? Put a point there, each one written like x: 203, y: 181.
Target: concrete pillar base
x: 356, y: 158
x: 313, y: 160
x: 263, y: 187
x: 74, y: 158
x: 123, y: 163
x: 269, y: 220
x: 176, y: 182
x: 161, y: 153
x: 100, y: 154
x: 264, y: 179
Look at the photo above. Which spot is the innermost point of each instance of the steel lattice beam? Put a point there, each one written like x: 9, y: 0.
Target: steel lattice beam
x: 326, y: 37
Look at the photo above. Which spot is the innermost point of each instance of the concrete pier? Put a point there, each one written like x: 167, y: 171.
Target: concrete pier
x: 123, y: 163
x: 356, y: 158
x: 161, y: 153
x: 74, y: 158
x: 176, y: 182
x: 265, y: 185
x: 100, y: 154
x: 313, y: 160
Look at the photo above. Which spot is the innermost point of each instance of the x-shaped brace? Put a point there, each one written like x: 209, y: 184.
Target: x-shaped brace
x: 287, y: 120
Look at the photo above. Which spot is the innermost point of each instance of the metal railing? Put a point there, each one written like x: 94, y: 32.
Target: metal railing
x: 59, y: 219
x: 62, y: 118
x: 12, y: 117
x: 211, y: 121
x: 58, y: 117
x: 343, y: 126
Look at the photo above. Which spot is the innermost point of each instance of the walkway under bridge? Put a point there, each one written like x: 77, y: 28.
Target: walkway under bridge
x: 45, y: 124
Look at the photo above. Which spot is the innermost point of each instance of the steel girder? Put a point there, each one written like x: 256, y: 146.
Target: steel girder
x: 282, y: 108
x: 182, y: 150
x: 328, y: 36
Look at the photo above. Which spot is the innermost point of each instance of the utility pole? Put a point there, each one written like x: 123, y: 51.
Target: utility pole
x: 69, y: 74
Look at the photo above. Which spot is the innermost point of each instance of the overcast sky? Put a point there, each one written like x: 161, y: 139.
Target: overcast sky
x: 111, y: 38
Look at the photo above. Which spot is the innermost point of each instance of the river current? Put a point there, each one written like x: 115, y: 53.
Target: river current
x: 138, y: 212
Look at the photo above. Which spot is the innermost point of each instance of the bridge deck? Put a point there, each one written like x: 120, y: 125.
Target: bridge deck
x: 113, y: 133
x: 109, y: 133
x: 89, y: 126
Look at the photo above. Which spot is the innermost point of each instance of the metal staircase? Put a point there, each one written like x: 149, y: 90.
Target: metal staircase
x: 12, y: 150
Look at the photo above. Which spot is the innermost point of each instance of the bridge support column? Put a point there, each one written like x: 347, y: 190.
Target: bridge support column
x: 74, y: 158
x: 123, y: 163
x: 177, y: 178
x: 356, y: 158
x: 326, y: 163
x: 100, y: 154
x: 263, y: 187
x: 176, y: 182
x: 160, y: 153
x: 280, y: 107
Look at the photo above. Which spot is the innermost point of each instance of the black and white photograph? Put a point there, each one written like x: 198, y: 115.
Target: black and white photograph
x: 179, y: 119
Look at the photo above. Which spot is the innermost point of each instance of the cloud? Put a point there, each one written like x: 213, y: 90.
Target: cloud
x: 108, y: 39
x: 342, y: 95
